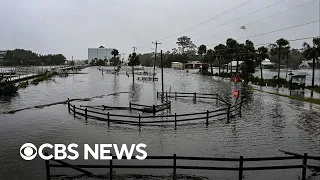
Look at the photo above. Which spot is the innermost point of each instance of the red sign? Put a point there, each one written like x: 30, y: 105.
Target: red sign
x: 236, y: 93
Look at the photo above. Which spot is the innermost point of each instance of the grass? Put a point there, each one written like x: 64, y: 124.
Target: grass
x: 23, y: 85
x: 315, y: 89
x: 310, y: 100
x: 45, y: 77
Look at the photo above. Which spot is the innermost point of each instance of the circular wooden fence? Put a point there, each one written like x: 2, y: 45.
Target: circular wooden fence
x: 226, y: 112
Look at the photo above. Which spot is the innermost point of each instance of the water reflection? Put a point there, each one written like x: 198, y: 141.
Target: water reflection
x: 135, y: 92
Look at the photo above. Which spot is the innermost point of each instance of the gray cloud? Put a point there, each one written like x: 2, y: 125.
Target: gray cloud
x: 71, y: 26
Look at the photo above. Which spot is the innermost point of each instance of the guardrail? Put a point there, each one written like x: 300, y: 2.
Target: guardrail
x: 240, y: 167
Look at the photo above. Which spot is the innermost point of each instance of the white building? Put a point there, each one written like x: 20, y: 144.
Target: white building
x: 177, y: 65
x: 100, y: 53
x: 267, y: 64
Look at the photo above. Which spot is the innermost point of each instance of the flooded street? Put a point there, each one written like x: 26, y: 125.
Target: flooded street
x: 269, y: 123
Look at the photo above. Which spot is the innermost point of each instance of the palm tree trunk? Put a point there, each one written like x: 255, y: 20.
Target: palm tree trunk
x: 313, y: 69
x: 279, y: 70
x: 261, y: 73
x: 287, y: 65
x: 237, y: 66
x: 132, y: 75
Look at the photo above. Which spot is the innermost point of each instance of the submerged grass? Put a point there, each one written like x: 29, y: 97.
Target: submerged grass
x: 310, y: 100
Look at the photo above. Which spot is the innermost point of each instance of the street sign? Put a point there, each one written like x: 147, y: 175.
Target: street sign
x: 236, y: 93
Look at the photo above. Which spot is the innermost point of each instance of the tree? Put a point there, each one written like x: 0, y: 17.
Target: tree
x: 209, y: 58
x: 133, y: 61
x: 115, y: 60
x: 220, y: 50
x: 185, y: 44
x: 202, y: 50
x: 279, y: 49
x: 312, y: 52
x: 232, y: 46
x: 247, y: 54
x: 262, y: 53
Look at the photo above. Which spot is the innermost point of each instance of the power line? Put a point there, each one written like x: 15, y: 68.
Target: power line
x: 211, y: 19
x: 240, y: 17
x: 248, y: 24
x: 299, y: 25
x: 208, y: 20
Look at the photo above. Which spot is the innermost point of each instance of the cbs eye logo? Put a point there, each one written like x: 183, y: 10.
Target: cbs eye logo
x: 28, y: 151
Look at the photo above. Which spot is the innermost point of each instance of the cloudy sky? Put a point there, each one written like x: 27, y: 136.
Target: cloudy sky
x: 71, y: 26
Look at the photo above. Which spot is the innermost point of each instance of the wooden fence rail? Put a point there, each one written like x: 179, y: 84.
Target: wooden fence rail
x: 139, y: 120
x: 241, y: 161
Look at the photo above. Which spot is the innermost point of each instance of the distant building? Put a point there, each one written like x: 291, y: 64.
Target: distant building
x: 177, y: 65
x: 308, y: 64
x: 267, y: 64
x: 100, y: 53
x: 233, y: 65
x: 193, y: 65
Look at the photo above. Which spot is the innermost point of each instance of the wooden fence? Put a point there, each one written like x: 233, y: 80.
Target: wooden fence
x: 174, y: 167
x: 150, y: 109
x: 222, y: 113
x: 193, y: 95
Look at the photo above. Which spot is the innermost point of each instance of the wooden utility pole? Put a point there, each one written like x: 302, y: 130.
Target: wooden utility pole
x: 134, y: 49
x: 155, y: 57
x: 162, y: 79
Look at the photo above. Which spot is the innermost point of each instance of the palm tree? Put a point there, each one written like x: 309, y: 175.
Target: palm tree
x: 312, y: 52
x: 262, y: 53
x: 209, y: 58
x: 220, y: 52
x: 232, y: 46
x: 202, y: 50
x: 279, y: 48
x: 114, y: 53
x: 133, y: 61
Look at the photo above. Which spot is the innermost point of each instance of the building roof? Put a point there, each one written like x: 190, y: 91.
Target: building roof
x: 267, y: 62
x: 234, y: 63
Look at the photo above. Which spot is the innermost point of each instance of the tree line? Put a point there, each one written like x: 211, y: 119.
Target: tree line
x: 279, y: 52
x: 18, y: 57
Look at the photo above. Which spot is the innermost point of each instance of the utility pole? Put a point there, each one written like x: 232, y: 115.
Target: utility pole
x: 123, y: 57
x: 134, y: 49
x: 162, y: 97
x: 155, y: 57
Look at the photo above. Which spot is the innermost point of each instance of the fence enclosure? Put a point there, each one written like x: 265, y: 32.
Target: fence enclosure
x: 174, y: 167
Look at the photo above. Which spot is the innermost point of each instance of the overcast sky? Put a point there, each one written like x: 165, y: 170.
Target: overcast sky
x: 70, y: 27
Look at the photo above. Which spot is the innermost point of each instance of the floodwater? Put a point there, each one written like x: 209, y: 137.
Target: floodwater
x: 269, y: 123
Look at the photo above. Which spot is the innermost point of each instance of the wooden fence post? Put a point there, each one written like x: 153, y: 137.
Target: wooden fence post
x: 108, y: 119
x: 68, y: 105
x: 304, y: 164
x: 207, y: 120
x: 195, y: 97
x: 74, y: 110
x: 111, y: 167
x: 130, y: 105
x: 139, y: 122
x: 174, y: 166
x: 175, y: 95
x: 86, y: 113
x: 241, y: 168
x: 240, y: 108
x: 154, y: 109
x: 47, y: 167
x: 228, y: 114
x: 175, y: 121
x: 166, y: 95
